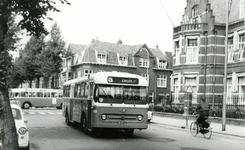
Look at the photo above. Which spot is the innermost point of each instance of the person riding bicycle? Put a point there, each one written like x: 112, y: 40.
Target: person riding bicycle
x: 203, y: 111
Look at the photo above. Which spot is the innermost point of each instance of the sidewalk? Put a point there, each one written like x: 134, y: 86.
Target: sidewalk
x: 232, y: 130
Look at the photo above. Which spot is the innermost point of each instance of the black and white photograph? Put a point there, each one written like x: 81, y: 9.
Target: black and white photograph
x: 122, y: 75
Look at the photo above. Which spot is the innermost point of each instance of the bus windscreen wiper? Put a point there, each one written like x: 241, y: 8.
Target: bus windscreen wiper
x: 106, y: 95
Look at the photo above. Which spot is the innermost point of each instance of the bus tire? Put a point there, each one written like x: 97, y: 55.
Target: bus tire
x: 60, y: 107
x: 84, y: 124
x: 67, y: 119
x: 26, y: 105
x: 129, y: 132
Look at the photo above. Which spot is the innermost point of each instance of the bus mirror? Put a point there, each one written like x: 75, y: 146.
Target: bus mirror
x: 91, y: 98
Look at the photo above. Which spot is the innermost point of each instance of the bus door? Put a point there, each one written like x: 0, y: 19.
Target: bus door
x: 90, y: 97
x: 71, y: 101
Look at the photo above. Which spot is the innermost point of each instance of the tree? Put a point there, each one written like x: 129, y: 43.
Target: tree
x: 32, y: 12
x: 49, y: 59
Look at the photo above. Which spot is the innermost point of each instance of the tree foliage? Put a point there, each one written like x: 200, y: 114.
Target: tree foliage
x: 49, y: 59
x: 32, y: 12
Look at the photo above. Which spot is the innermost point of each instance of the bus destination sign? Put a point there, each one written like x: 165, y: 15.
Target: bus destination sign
x: 123, y: 80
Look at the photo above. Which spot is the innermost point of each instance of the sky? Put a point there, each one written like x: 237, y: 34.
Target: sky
x: 133, y: 21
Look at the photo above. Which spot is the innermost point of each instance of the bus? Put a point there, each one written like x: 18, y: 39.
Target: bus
x: 106, y: 100
x: 37, y: 97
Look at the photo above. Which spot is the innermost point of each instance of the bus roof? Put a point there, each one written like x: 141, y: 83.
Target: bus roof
x: 34, y: 90
x: 121, y: 78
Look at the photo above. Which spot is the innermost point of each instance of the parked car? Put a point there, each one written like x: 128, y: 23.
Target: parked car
x: 150, y: 116
x: 13, y: 101
x: 21, y: 127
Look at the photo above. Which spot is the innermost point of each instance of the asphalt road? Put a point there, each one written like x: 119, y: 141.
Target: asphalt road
x: 48, y: 131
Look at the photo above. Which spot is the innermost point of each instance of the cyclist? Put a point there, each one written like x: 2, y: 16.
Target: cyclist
x: 203, y: 111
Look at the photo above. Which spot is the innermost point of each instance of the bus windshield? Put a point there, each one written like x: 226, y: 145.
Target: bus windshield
x: 120, y: 94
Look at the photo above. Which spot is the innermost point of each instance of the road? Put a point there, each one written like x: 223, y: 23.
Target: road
x: 48, y: 131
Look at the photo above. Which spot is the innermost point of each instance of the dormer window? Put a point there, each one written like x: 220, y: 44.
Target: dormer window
x: 101, y: 58
x: 162, y: 64
x: 143, y: 62
x: 123, y: 60
x: 195, y: 11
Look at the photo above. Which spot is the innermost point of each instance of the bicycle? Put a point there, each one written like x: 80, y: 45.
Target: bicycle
x: 195, y: 128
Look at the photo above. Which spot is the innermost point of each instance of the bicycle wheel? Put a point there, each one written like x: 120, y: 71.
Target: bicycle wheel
x: 208, y: 134
x: 194, y: 128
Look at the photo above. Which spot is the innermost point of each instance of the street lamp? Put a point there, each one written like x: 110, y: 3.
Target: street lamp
x: 148, y: 63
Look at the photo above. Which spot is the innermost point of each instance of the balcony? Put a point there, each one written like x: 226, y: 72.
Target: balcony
x: 194, y: 27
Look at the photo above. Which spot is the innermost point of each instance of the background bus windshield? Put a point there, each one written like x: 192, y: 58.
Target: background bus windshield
x: 120, y: 94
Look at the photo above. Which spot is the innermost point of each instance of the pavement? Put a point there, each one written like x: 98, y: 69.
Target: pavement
x: 181, y: 122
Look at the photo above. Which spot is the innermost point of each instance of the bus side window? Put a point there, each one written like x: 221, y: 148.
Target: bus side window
x: 82, y: 89
x: 72, y: 91
x: 24, y: 94
x: 32, y: 94
x: 53, y: 94
x: 39, y: 94
x: 11, y: 95
x: 16, y: 94
x: 46, y: 94
x: 86, y: 89
x: 75, y: 90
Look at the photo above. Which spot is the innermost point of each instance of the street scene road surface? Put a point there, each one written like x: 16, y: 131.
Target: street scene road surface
x: 48, y: 131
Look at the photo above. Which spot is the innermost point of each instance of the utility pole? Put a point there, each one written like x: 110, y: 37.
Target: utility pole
x: 225, y: 68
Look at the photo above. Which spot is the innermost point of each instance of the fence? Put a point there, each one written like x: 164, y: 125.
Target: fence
x: 235, y: 105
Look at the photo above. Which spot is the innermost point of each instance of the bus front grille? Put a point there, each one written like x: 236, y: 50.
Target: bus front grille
x: 122, y: 117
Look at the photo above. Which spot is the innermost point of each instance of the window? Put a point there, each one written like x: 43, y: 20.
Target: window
x: 195, y: 11
x: 87, y: 72
x: 162, y: 64
x: 161, y: 81
x: 177, y: 52
x: 241, y: 90
x: 176, y: 90
x: 241, y: 9
x: 229, y: 91
x: 242, y: 46
x: 230, y: 49
x: 123, y: 60
x: 101, y: 58
x: 143, y: 62
x: 120, y: 94
x: 192, y: 51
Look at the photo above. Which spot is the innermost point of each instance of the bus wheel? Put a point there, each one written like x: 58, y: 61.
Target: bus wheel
x: 26, y: 105
x: 67, y: 120
x: 84, y: 124
x: 129, y: 131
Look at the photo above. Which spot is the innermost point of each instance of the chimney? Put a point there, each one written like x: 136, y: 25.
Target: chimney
x: 93, y: 40
x: 156, y: 46
x: 119, y: 41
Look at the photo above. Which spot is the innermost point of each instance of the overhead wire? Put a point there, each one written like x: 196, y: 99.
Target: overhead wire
x: 167, y: 13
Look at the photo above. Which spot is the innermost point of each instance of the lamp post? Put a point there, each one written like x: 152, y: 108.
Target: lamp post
x: 225, y: 68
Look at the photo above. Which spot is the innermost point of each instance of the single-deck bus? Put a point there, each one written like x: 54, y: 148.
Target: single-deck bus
x: 111, y: 100
x: 37, y: 97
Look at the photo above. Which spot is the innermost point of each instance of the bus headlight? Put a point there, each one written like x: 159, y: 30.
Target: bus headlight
x: 103, y: 117
x: 140, y: 117
x: 22, y: 130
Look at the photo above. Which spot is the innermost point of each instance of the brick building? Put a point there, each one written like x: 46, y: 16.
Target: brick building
x: 153, y: 64
x: 199, y: 52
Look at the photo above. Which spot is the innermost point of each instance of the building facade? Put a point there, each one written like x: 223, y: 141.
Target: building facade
x: 199, y: 52
x: 153, y: 64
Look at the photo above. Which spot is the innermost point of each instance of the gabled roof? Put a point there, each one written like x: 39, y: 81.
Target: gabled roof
x: 159, y: 54
x: 112, y: 50
x: 75, y: 48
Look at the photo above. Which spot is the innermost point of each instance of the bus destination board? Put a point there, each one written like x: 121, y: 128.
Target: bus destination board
x: 123, y: 80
